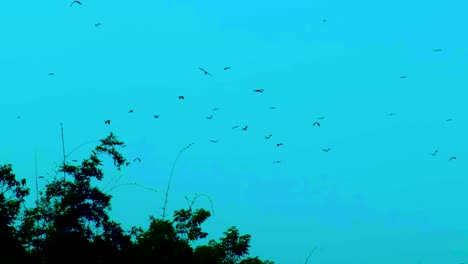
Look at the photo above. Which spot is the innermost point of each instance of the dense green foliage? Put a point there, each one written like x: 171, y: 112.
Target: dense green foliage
x: 70, y: 224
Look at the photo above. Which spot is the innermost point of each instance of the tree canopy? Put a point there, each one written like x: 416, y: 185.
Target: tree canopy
x: 70, y: 223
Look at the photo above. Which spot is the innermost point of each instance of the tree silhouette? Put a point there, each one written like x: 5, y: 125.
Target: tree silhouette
x: 70, y: 223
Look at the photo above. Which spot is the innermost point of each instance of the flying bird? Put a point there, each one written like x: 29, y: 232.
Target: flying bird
x: 137, y: 159
x: 437, y: 50
x: 276, y: 161
x: 279, y: 144
x: 268, y: 137
x: 245, y: 128
x: 258, y: 90
x: 435, y: 152
x: 272, y: 107
x: 75, y: 2
x: 130, y: 111
x: 321, y: 118
x: 201, y: 69
x: 316, y: 124
x: 452, y: 158
x: 215, y: 109
x: 448, y: 120
x: 51, y: 74
x: 403, y: 77
x: 181, y: 97
x: 214, y: 141
x: 209, y: 117
x: 227, y: 68
x: 97, y: 24
x: 107, y: 122
x: 156, y: 116
x: 391, y: 114
x: 234, y: 127
x: 326, y: 150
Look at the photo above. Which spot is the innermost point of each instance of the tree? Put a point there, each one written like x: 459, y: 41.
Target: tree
x: 12, y: 196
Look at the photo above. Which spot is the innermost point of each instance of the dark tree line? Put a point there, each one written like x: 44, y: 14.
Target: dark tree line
x: 69, y: 223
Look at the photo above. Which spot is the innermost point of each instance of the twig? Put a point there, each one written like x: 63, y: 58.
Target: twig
x: 170, y: 178
x: 310, y: 254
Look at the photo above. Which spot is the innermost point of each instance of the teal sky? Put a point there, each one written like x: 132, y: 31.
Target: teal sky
x: 377, y: 196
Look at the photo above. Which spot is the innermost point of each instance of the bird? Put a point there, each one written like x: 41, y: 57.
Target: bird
x: 97, y: 24
x: 201, y: 69
x: 215, y: 109
x: 324, y: 20
x: 245, y: 128
x: 268, y: 137
x: 321, y: 118
x: 435, y: 152
x: 227, y: 68
x: 272, y: 107
x: 403, y: 77
x: 279, y: 144
x: 258, y: 90
x: 137, y: 159
x: 276, y: 161
x: 107, y: 122
x: 452, y: 158
x: 437, y: 50
x: 156, y: 116
x: 181, y: 97
x: 75, y: 2
x: 130, y: 111
x: 234, y: 127
x: 23, y: 182
x: 75, y: 160
x: 316, y: 124
x: 391, y: 114
x: 51, y: 74
x: 448, y: 120
x: 214, y: 141
x: 209, y: 117
x: 326, y: 150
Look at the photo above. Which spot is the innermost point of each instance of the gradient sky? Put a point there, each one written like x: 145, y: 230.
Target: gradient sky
x: 377, y: 196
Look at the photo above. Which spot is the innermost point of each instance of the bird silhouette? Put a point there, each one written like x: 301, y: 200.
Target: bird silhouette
x: 107, y: 122
x: 391, y: 114
x: 214, y: 141
x: 181, y: 97
x: 97, y: 24
x: 234, y: 127
x: 272, y: 107
x: 448, y: 120
x: 452, y: 158
x: 156, y: 116
x: 316, y: 124
x: 130, y: 111
x: 268, y: 137
x: 137, y: 159
x: 403, y: 77
x: 324, y: 20
x: 75, y: 2
x: 206, y: 73
x: 321, y: 118
x: 245, y: 128
x: 434, y: 153
x: 227, y: 68
x: 279, y: 144
x: 51, y: 74
x: 326, y: 150
x: 276, y: 161
x: 437, y: 50
x: 215, y: 109
x: 209, y: 117
x: 258, y: 90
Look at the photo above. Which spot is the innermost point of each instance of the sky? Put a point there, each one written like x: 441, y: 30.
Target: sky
x: 377, y: 195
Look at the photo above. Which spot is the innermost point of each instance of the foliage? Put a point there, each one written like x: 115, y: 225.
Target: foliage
x: 70, y: 223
